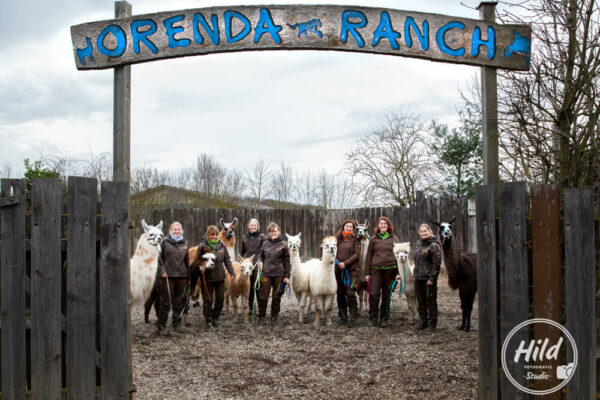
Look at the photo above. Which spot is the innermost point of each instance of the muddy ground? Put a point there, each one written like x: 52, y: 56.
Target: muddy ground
x: 293, y: 361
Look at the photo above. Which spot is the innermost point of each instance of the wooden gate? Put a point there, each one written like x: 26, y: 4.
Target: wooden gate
x: 64, y: 292
x: 534, y: 261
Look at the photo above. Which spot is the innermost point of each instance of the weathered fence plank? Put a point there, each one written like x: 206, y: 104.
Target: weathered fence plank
x: 12, y: 269
x: 114, y: 293
x: 580, y: 287
x: 81, y: 289
x: 514, y: 295
x: 486, y: 300
x: 46, y: 276
x: 547, y: 293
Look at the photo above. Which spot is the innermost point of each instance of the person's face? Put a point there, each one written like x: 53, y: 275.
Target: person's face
x: 424, y: 232
x: 349, y: 227
x: 253, y: 227
x: 213, y: 236
x: 274, y: 233
x: 383, y: 226
x: 176, y: 230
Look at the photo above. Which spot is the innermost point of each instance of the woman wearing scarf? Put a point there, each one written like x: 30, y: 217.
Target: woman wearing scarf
x: 347, y: 273
x: 213, y: 289
x: 381, y: 270
x: 251, y: 246
x: 428, y: 258
x: 173, y: 273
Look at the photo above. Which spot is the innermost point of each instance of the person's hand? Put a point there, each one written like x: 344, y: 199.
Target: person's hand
x: 429, y: 282
x: 341, y: 265
x: 164, y: 275
x: 286, y: 280
x: 368, y: 278
x: 398, y: 278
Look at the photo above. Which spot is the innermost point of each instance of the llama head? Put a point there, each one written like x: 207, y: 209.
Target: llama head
x: 228, y: 228
x: 446, y: 230
x: 247, y: 266
x: 329, y: 246
x: 294, y: 242
x: 362, y: 230
x: 402, y: 251
x: 206, y: 258
x: 154, y: 234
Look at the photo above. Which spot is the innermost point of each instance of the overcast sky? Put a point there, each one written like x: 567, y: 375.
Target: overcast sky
x: 302, y: 107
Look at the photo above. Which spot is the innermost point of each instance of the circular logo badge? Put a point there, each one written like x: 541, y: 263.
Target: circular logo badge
x: 535, y: 362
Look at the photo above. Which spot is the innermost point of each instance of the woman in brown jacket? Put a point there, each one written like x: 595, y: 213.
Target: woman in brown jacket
x: 428, y: 258
x: 381, y: 270
x: 275, y: 257
x: 347, y: 273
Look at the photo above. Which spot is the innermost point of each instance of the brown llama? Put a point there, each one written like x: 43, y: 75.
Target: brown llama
x: 462, y: 272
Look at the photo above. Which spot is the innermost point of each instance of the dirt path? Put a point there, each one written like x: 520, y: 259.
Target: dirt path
x: 300, y: 362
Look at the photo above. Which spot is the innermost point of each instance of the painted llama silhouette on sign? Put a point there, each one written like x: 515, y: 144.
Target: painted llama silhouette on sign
x: 312, y: 26
x: 86, y: 52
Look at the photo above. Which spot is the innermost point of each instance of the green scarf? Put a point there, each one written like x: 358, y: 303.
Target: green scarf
x: 384, y: 236
x: 212, y: 244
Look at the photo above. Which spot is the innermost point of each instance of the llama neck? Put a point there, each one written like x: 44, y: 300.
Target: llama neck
x: 450, y: 257
x: 229, y: 245
x: 145, y: 249
x: 404, y: 270
x: 295, y: 255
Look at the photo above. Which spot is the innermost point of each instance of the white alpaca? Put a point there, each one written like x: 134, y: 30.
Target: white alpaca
x: 300, y: 275
x: 323, y: 286
x: 144, y: 263
x: 405, y: 269
x: 363, y: 235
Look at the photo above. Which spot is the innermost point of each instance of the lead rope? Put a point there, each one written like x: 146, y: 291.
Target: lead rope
x: 393, y: 285
x: 256, y: 289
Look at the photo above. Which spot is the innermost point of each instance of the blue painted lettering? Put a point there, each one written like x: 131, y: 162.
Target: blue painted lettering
x: 229, y: 15
x: 348, y: 26
x: 266, y: 25
x: 142, y: 36
x: 213, y: 32
x: 440, y: 38
x: 385, y: 30
x: 172, y: 30
x: 119, y: 37
x: 423, y: 36
x: 490, y: 43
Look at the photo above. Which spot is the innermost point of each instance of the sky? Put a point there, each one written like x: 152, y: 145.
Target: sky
x: 304, y: 108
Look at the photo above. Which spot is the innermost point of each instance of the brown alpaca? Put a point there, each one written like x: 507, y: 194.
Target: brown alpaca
x: 462, y: 272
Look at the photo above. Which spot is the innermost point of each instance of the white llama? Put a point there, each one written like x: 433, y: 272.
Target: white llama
x: 323, y: 286
x: 300, y: 275
x: 405, y: 269
x: 144, y: 263
x: 362, y: 234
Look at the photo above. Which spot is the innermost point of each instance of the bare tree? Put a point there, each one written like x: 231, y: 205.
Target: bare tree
x: 549, y: 115
x: 281, y: 183
x: 391, y: 163
x: 304, y: 188
x: 8, y: 171
x: 144, y: 178
x: 258, y: 178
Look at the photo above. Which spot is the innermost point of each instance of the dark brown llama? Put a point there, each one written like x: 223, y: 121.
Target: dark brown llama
x: 462, y: 272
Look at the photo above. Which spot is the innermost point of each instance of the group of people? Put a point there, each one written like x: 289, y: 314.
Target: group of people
x: 381, y: 270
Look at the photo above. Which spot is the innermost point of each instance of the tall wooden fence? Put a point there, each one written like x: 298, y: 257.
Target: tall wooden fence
x: 316, y: 224
x: 64, y: 291
x: 532, y: 263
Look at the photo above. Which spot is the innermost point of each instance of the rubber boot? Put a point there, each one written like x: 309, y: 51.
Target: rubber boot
x: 431, y: 326
x: 422, y: 325
x: 343, y: 316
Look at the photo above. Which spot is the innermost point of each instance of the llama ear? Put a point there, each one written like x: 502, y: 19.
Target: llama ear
x: 221, y: 222
x: 239, y: 258
x: 145, y: 225
x: 287, y: 236
x: 252, y: 257
x: 299, y: 234
x: 366, y: 223
x: 234, y: 223
x: 452, y: 220
x: 435, y: 223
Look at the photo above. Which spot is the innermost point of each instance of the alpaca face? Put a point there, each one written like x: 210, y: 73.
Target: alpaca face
x: 153, y: 233
x: 362, y: 230
x: 402, y: 251
x: 247, y: 265
x: 329, y: 246
x: 294, y: 242
x: 228, y: 227
x: 208, y: 261
x: 445, y: 231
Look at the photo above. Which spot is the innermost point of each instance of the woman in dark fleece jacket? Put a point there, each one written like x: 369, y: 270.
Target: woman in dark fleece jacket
x: 213, y: 290
x: 428, y: 258
x: 381, y: 270
x: 275, y: 257
x: 251, y: 246
x: 348, y: 253
x: 173, y: 270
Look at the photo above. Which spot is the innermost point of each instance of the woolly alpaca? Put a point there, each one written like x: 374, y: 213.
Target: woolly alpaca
x: 405, y: 269
x: 300, y: 275
x: 323, y: 286
x: 144, y: 263
x: 227, y: 236
x: 239, y: 286
x: 462, y: 272
x: 363, y: 235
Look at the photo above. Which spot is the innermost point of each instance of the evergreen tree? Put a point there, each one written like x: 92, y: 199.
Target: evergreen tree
x: 37, y: 170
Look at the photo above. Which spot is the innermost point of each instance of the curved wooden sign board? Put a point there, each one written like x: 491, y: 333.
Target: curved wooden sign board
x: 150, y: 37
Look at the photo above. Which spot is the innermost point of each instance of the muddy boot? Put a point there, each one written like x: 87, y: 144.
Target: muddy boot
x: 274, y: 321
x: 384, y: 322
x: 431, y: 326
x: 342, y: 316
x: 163, y: 331
x: 261, y: 321
x: 372, y: 321
x: 351, y: 323
x: 463, y: 323
x: 422, y: 325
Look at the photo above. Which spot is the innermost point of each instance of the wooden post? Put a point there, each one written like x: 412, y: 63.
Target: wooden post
x: 489, y: 107
x: 122, y: 111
